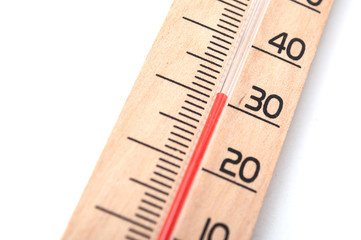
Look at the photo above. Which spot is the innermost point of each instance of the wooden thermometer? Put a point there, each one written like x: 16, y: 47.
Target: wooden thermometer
x: 196, y: 143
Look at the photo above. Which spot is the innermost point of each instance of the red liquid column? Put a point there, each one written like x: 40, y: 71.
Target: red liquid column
x: 193, y: 167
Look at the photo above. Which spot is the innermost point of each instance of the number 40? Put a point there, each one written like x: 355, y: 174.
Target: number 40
x: 282, y: 45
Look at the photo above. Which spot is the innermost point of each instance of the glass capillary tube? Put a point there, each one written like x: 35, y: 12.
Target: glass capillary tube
x: 243, y: 44
x: 228, y: 80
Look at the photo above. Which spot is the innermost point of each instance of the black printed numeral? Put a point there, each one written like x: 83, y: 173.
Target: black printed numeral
x: 221, y: 231
x: 279, y: 42
x: 245, y: 164
x: 314, y: 2
x: 263, y: 102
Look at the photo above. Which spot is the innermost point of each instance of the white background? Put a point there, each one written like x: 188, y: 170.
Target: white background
x: 66, y: 68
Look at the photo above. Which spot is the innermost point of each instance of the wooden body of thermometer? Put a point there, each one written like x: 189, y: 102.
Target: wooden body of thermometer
x: 194, y: 148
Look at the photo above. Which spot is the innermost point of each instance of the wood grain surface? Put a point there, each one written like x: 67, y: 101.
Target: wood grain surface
x: 142, y: 163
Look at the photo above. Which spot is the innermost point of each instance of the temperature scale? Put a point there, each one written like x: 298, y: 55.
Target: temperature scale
x: 195, y: 146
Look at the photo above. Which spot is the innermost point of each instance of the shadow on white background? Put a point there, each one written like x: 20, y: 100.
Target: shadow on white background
x: 314, y: 192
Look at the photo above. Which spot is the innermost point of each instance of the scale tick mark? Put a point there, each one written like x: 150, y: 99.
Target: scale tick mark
x: 205, y: 26
x: 123, y: 218
x: 139, y: 233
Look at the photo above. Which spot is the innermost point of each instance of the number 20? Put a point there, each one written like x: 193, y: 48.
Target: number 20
x: 242, y: 167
